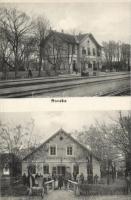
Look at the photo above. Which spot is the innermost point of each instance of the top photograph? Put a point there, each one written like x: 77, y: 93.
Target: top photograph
x: 65, y: 49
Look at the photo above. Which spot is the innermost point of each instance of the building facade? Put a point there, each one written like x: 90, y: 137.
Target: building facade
x: 61, y: 154
x: 71, y: 53
x: 90, y: 55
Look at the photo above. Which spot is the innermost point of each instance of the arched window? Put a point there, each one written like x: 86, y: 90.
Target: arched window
x: 6, y: 170
x: 32, y: 169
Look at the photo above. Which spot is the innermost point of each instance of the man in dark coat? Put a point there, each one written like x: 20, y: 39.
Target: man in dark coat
x: 24, y: 178
x: 60, y: 182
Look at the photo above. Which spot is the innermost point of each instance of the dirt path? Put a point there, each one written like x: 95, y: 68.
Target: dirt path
x: 68, y: 195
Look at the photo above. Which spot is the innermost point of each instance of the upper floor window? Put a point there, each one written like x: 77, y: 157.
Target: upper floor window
x: 89, y: 52
x: 69, y: 150
x: 53, y: 150
x: 94, y: 52
x: 83, y: 51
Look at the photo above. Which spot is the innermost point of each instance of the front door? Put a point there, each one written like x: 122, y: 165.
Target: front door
x: 74, y: 66
x: 61, y: 170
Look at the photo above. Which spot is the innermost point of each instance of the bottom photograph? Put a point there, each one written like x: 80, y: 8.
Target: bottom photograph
x: 65, y: 155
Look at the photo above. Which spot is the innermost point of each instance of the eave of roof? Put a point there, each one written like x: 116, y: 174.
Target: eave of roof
x: 67, y: 134
x: 68, y: 38
x: 71, y: 39
x: 90, y: 35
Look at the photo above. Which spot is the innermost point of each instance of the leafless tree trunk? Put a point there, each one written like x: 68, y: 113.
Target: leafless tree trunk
x: 42, y: 29
x: 15, y: 25
x: 14, y: 139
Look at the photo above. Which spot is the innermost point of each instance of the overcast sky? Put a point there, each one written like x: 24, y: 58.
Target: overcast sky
x: 47, y: 123
x: 107, y: 21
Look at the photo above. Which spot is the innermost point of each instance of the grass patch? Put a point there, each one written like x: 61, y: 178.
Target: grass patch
x: 89, y: 189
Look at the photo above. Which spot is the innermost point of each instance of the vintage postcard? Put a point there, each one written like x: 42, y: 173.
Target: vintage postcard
x: 68, y: 136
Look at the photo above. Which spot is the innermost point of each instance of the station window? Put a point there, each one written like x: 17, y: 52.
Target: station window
x: 69, y: 150
x: 76, y: 169
x: 54, y: 171
x: 46, y: 169
x: 94, y: 52
x: 83, y: 51
x: 52, y: 150
x: 90, y: 65
x: 89, y: 52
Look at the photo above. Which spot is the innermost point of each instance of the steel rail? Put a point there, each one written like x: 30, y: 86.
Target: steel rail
x: 45, y: 80
x: 116, y: 92
x: 45, y: 88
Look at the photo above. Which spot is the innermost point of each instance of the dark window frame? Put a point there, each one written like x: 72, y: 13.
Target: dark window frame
x: 69, y: 151
x: 89, y: 51
x: 53, y: 150
x: 45, y: 169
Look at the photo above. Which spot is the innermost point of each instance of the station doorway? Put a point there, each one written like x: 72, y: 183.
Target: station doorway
x: 61, y: 170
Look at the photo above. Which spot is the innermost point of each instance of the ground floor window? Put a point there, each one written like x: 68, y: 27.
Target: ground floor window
x: 46, y: 169
x: 54, y: 170
x: 90, y: 65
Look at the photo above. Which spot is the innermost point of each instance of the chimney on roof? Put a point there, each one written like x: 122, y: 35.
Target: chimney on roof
x: 62, y: 30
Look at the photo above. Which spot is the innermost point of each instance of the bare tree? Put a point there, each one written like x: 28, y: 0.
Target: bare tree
x: 53, y: 52
x: 29, y: 53
x: 15, y: 25
x: 14, y: 139
x: 121, y: 137
x: 97, y: 137
x: 5, y: 55
x: 117, y: 55
x: 109, y: 52
x: 41, y: 29
x: 125, y: 56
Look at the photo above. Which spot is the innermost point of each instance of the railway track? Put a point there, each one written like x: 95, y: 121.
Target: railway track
x: 118, y: 92
x: 28, y: 88
x: 45, y: 80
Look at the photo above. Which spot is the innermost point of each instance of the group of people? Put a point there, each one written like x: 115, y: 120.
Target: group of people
x: 63, y: 180
x: 30, y: 180
x: 59, y: 181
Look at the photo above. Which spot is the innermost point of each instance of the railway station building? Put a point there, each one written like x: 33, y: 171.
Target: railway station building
x: 71, y: 53
x: 61, y: 154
